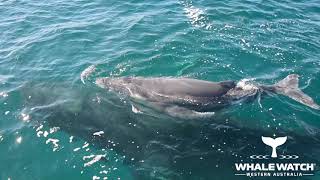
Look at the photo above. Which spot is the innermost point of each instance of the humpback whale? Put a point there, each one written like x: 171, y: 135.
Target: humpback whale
x: 177, y: 96
x: 156, y: 143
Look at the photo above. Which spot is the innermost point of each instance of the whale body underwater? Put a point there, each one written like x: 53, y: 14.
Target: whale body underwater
x: 165, y: 144
x: 185, y: 96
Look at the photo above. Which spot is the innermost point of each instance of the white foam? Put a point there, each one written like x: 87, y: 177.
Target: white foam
x: 135, y: 110
x: 39, y: 133
x: 85, y: 145
x: 19, y: 140
x: 45, y: 133
x: 205, y: 113
x: 54, y: 129
x: 71, y: 139
x: 95, y: 159
x: 54, y: 142
x: 87, y: 157
x: 246, y: 85
x: 95, y: 177
x: 39, y: 128
x: 25, y: 117
x: 99, y: 133
x: 86, y: 73
x: 4, y: 94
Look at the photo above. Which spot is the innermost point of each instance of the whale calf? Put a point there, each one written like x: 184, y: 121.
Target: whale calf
x: 178, y: 96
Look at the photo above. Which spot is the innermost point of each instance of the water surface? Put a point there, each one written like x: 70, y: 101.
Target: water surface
x: 48, y: 116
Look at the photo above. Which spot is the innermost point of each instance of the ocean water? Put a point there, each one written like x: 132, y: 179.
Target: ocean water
x: 52, y: 125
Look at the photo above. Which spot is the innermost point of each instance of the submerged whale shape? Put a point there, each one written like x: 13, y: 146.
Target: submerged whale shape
x: 165, y: 145
x: 177, y: 96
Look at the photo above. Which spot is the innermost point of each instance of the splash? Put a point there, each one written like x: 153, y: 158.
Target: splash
x: 87, y: 72
x: 246, y: 84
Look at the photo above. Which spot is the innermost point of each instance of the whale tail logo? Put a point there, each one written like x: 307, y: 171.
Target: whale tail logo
x: 274, y: 143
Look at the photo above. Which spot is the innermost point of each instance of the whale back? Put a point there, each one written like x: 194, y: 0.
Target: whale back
x: 168, y: 87
x: 183, y: 87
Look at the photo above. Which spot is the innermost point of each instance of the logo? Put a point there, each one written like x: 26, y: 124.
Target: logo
x: 274, y: 165
x: 274, y: 143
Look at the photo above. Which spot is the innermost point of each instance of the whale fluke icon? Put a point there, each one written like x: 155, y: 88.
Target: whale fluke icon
x: 274, y: 143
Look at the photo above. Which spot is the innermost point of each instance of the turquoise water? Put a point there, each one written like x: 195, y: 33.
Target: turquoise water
x: 48, y: 116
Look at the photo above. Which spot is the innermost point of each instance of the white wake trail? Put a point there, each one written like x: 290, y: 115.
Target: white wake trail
x: 87, y: 72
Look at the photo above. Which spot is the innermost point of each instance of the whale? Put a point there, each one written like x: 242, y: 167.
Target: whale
x: 154, y: 144
x: 186, y: 96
